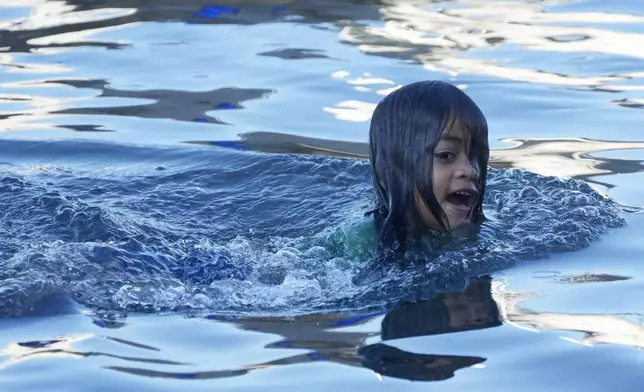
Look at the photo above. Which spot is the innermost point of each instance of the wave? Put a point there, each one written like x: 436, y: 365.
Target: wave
x: 141, y: 229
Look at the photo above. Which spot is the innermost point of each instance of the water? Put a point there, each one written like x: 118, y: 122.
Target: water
x: 184, y: 185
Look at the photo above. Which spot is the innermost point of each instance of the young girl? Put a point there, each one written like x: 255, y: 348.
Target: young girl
x: 429, y: 154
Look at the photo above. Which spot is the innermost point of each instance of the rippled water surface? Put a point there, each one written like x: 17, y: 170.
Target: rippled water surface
x: 183, y: 188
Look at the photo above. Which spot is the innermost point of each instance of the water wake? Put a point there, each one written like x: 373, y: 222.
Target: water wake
x: 243, y: 232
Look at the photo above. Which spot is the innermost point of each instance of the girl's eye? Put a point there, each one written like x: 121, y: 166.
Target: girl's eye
x: 445, y: 156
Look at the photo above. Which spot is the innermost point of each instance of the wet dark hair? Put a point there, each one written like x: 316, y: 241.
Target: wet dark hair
x: 405, y: 128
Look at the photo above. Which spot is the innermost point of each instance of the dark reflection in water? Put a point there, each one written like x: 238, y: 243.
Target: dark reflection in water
x: 569, y: 38
x: 628, y: 103
x: 593, y: 278
x: 20, y: 41
x: 295, y: 54
x: 241, y: 11
x: 85, y: 128
x: 472, y: 308
x: 274, y: 142
x: 64, y: 347
x: 174, y: 104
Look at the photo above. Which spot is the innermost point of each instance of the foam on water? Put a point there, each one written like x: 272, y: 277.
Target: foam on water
x: 221, y: 231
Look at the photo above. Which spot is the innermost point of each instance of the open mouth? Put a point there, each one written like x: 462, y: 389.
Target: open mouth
x: 462, y: 199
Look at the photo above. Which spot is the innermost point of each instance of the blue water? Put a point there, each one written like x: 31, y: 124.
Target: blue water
x: 184, y: 188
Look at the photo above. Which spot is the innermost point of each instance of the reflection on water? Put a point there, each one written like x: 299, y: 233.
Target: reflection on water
x: 436, y: 37
x: 335, y: 338
x: 630, y: 103
x: 463, y: 41
x: 616, y: 329
x: 566, y: 157
x: 592, y: 278
x: 176, y: 105
x: 455, y: 39
x: 291, y: 144
x: 64, y: 347
x: 366, y: 341
x: 342, y: 340
x: 359, y: 341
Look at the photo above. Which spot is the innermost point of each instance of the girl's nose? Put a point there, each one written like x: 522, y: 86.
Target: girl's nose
x: 468, y: 169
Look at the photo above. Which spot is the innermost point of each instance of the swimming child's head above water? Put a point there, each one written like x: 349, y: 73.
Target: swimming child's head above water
x: 429, y: 154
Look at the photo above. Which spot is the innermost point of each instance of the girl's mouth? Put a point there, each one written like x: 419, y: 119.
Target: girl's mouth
x: 463, y: 199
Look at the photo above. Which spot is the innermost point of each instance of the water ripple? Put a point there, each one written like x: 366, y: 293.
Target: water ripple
x: 239, y: 231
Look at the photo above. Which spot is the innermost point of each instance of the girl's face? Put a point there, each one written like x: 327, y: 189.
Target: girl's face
x: 455, y: 179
